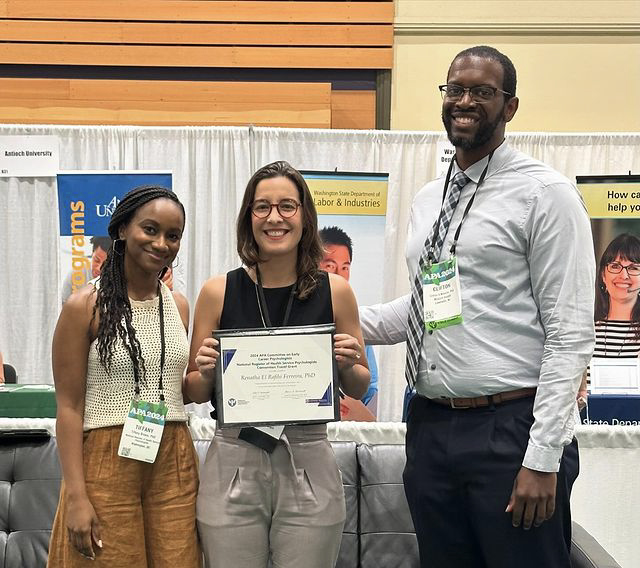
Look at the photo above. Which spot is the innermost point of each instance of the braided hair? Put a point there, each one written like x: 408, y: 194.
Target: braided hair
x: 112, y: 299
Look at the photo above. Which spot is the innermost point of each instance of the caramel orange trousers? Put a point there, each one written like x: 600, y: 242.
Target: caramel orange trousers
x: 147, y: 512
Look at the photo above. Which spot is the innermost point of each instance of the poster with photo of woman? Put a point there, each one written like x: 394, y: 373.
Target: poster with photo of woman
x: 613, y: 203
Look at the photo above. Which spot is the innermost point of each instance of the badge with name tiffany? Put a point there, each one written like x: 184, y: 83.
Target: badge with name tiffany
x: 441, y: 294
x: 142, y: 431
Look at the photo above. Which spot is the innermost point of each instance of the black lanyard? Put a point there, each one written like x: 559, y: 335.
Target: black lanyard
x: 452, y: 250
x: 136, y: 376
x: 262, y: 302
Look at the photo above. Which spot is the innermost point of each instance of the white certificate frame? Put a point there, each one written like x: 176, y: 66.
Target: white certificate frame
x: 614, y: 375
x: 270, y: 386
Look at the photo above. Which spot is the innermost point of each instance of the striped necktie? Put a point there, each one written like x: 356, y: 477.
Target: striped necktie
x: 416, y: 313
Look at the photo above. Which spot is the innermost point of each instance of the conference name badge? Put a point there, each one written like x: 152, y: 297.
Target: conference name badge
x: 142, y: 431
x: 441, y: 294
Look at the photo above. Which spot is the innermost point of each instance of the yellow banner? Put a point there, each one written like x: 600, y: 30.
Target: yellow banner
x: 611, y: 200
x: 350, y: 196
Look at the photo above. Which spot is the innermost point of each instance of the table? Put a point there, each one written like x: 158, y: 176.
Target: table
x: 27, y: 401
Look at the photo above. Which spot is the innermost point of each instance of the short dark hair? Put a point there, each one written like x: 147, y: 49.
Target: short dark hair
x: 627, y: 247
x: 101, y: 242
x: 309, y: 248
x: 487, y: 52
x: 336, y: 236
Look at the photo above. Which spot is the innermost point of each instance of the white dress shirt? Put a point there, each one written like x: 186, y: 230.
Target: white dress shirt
x: 527, y: 276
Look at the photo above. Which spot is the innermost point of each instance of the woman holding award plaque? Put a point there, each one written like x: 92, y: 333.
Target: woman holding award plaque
x: 119, y: 353
x: 274, y: 493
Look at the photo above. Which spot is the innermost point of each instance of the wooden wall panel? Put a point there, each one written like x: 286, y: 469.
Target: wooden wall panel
x: 122, y: 90
x: 111, y: 38
x: 77, y: 101
x: 192, y: 56
x: 244, y: 92
x: 147, y: 114
x: 196, y: 34
x: 198, y: 11
x: 34, y: 88
x: 353, y: 109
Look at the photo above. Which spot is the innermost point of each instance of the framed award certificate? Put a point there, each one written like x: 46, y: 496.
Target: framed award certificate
x: 271, y: 376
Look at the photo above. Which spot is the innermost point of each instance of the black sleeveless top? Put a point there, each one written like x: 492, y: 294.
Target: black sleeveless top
x: 240, y: 309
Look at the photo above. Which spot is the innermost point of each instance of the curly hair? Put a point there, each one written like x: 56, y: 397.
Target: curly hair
x: 309, y: 248
x: 112, y: 300
x: 626, y: 247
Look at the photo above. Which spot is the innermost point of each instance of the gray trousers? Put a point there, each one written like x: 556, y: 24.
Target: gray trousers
x: 287, y: 506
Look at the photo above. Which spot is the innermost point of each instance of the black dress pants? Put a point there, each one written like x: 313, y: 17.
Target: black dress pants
x: 461, y: 465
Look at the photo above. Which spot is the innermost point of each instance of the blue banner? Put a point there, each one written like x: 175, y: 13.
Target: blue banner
x: 86, y: 201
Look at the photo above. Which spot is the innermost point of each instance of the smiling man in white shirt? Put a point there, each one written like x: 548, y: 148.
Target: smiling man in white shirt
x: 491, y: 457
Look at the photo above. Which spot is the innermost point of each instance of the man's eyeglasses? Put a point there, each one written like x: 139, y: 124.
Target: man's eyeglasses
x: 479, y: 93
x: 286, y: 208
x: 616, y: 268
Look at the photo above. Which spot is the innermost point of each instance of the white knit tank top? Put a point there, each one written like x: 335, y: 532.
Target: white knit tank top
x: 108, y: 395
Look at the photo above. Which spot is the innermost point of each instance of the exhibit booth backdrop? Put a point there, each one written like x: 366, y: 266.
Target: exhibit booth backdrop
x: 211, y: 167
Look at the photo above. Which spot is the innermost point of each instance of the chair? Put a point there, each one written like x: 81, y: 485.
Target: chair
x: 10, y: 376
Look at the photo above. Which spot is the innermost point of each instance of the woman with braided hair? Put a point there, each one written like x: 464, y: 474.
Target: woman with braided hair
x: 119, y: 353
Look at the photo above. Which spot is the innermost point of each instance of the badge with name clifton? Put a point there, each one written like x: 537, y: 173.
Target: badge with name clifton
x: 142, y: 431
x: 441, y: 294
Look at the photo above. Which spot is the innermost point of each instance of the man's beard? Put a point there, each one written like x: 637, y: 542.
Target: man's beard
x: 482, y: 136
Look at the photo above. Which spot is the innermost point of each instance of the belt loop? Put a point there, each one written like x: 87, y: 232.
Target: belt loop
x: 492, y: 405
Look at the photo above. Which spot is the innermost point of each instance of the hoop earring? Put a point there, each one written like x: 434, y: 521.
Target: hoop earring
x: 119, y: 246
